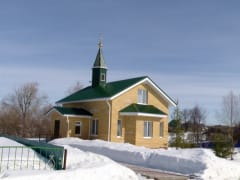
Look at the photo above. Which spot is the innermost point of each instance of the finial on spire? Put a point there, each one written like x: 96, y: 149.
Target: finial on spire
x: 100, y: 44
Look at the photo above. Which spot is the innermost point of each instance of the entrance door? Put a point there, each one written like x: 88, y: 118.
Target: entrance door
x: 56, y: 128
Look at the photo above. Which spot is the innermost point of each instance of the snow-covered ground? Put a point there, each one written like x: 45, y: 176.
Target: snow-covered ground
x: 200, y: 162
x: 80, y: 165
x: 83, y: 164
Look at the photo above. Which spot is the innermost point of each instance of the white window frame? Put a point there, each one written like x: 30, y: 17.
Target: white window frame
x: 161, y: 129
x: 119, y: 128
x: 94, y: 127
x: 142, y: 96
x: 148, y: 129
x: 78, y: 124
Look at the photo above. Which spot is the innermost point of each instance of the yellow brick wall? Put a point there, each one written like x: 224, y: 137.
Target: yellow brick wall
x: 129, y: 132
x: 99, y: 109
x: 84, y: 127
x: 155, y: 141
x: 132, y: 97
x: 63, y: 123
x: 132, y: 127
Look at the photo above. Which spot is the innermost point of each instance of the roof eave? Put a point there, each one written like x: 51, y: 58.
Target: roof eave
x: 69, y: 115
x: 79, y: 116
x: 85, y: 100
x: 142, y: 114
x: 161, y: 92
x: 127, y: 89
x: 53, y: 109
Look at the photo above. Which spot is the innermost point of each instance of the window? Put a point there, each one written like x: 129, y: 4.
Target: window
x: 94, y: 130
x: 119, y: 128
x: 147, y: 129
x: 103, y: 77
x: 161, y: 133
x: 142, y: 96
x: 78, y: 128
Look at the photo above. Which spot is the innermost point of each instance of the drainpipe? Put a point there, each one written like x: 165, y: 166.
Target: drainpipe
x: 67, y: 126
x: 109, y: 119
x: 89, y: 129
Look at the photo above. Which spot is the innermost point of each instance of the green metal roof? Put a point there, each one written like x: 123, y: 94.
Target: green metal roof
x: 107, y: 91
x: 141, y: 108
x: 72, y: 111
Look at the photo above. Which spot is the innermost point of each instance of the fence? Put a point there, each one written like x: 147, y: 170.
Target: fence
x: 22, y: 157
x: 50, y: 156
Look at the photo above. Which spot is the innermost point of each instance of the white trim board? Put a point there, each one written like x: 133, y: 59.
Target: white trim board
x: 142, y: 114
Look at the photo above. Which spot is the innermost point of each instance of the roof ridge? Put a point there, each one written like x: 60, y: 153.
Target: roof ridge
x: 140, y: 77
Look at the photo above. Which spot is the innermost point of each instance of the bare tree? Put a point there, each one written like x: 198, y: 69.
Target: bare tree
x: 22, y: 111
x: 229, y: 114
x: 74, y: 88
x: 197, y: 118
x: 186, y: 118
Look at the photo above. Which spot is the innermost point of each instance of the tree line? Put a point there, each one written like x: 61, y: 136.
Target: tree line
x: 187, y: 120
x: 23, y: 111
x: 224, y: 136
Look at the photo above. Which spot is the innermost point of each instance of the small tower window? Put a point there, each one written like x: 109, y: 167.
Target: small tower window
x: 103, y: 78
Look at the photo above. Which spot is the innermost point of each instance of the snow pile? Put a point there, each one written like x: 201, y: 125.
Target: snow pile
x: 7, y: 142
x: 92, y: 166
x: 200, y: 162
x: 80, y: 165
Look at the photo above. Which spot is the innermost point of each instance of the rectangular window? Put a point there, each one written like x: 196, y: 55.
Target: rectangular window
x: 94, y: 127
x: 161, y: 129
x: 103, y: 77
x: 78, y: 128
x: 119, y: 128
x: 147, y: 128
x: 142, y: 96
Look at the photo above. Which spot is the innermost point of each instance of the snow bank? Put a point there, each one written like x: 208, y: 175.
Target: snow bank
x: 200, y: 162
x: 80, y: 165
x: 167, y: 160
x: 7, y: 142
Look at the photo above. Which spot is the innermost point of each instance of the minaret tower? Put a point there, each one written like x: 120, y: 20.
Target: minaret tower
x: 99, y: 70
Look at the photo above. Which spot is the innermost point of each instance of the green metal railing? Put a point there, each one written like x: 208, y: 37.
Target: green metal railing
x: 20, y: 156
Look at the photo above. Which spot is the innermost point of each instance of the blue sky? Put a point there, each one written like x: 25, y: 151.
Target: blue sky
x: 191, y: 49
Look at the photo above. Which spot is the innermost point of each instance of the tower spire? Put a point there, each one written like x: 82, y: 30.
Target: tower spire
x: 99, y: 70
x: 100, y: 44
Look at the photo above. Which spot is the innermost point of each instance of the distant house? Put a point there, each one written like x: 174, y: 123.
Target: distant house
x: 132, y: 110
